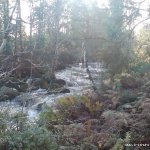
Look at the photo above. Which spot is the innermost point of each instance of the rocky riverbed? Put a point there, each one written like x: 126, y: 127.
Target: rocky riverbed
x: 44, y: 91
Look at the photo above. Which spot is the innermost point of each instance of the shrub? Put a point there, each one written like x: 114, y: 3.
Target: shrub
x: 79, y: 102
x: 17, y: 133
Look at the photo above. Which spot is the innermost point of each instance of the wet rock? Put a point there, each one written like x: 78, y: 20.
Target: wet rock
x: 12, y: 82
x: 44, y: 84
x: 40, y: 83
x: 57, y: 91
x: 49, y: 77
x: 65, y: 91
x: 7, y: 93
x: 23, y: 87
x: 36, y: 82
x: 41, y: 106
x: 59, y: 81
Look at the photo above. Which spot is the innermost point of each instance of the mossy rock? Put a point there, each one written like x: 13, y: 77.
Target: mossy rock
x: 40, y: 83
x: 8, y: 93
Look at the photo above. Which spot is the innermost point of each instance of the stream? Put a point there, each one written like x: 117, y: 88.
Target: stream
x: 76, y: 79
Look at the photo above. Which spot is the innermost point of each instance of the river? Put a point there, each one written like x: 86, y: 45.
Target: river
x: 76, y: 79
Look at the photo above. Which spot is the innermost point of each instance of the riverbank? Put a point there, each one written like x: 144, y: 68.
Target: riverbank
x: 72, y: 116
x: 117, y: 117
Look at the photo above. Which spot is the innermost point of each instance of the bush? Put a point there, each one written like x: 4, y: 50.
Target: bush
x: 81, y: 104
x: 17, y: 133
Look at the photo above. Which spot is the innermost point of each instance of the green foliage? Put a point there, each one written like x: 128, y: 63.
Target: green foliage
x: 68, y: 102
x: 47, y: 115
x: 139, y: 66
x: 127, y: 96
x: 93, y: 107
x: 30, y: 139
x: 143, y: 43
x: 16, y: 133
x: 120, y: 144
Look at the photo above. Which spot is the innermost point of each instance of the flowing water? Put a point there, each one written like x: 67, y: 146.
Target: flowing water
x: 76, y: 79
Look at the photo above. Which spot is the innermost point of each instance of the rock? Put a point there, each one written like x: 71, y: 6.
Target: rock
x: 41, y: 106
x: 12, y: 82
x: 65, y: 91
x: 23, y: 87
x: 40, y: 83
x: 57, y: 91
x: 129, y: 82
x: 36, y: 82
x: 127, y: 108
x: 60, y: 81
x: 8, y: 93
x: 48, y: 77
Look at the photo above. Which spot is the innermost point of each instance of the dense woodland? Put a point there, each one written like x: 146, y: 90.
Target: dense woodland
x: 56, y: 35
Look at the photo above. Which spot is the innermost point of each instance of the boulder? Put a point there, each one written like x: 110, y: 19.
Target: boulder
x: 13, y: 82
x: 40, y: 83
x: 40, y: 106
x: 49, y: 77
x: 65, y: 91
x: 23, y: 87
x: 57, y: 91
x: 60, y: 81
x: 7, y: 93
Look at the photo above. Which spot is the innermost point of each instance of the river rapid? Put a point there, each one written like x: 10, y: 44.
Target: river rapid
x: 77, y: 81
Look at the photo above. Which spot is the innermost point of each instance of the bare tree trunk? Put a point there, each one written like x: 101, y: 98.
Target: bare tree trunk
x: 7, y: 30
x: 20, y: 25
x: 56, y: 42
x: 31, y: 25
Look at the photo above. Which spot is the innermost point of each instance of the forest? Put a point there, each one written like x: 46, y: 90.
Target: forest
x: 74, y: 75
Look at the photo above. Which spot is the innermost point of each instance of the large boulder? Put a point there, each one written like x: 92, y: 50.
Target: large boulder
x: 7, y: 93
x: 65, y: 90
x: 40, y: 83
x: 13, y: 82
x: 60, y: 82
x: 49, y: 77
x: 57, y: 91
